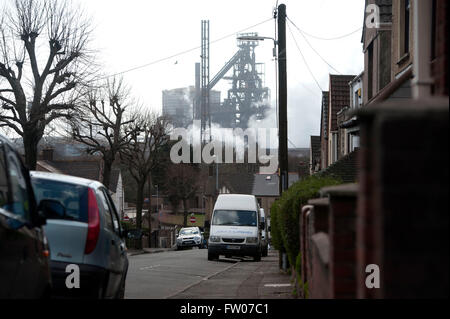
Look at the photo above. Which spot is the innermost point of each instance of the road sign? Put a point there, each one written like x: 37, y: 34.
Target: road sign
x: 193, y: 219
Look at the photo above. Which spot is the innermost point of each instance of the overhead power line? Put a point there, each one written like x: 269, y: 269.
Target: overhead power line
x: 326, y: 39
x: 304, y: 60
x: 180, y: 53
x: 315, y: 51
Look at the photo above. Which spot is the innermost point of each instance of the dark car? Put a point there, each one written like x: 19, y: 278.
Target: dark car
x: 24, y: 253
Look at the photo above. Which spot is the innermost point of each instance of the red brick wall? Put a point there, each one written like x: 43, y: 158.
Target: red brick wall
x: 319, y: 285
x: 342, y: 246
x: 403, y: 199
x: 365, y: 248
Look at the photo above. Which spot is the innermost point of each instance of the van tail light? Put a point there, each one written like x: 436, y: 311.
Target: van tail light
x: 93, y: 223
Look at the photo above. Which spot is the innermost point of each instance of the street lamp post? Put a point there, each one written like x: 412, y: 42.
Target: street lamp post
x: 217, y: 173
x: 282, y: 94
x: 282, y: 100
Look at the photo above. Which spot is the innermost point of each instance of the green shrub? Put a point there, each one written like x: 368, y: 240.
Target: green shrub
x: 306, y: 290
x: 275, y: 227
x: 298, y: 266
x: 287, y: 212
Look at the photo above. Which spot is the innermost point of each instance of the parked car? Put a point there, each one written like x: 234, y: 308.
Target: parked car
x: 190, y: 237
x: 87, y: 233
x: 235, y: 227
x: 24, y: 253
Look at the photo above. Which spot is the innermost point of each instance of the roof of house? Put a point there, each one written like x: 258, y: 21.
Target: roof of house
x: 346, y: 169
x: 339, y: 97
x: 324, y: 116
x: 266, y: 185
x: 315, y: 149
x: 236, y: 183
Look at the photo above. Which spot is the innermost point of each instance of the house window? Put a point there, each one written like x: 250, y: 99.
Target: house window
x: 334, y: 148
x: 405, y: 11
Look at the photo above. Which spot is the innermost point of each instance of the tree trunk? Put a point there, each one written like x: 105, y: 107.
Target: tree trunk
x: 185, y: 213
x: 139, y: 203
x: 106, y: 176
x: 30, y: 144
x: 150, y: 210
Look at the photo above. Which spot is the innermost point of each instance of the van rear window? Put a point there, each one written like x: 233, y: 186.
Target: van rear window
x: 234, y: 218
x: 73, y: 197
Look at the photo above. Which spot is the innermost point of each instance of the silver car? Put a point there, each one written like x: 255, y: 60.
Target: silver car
x: 87, y: 233
x: 190, y: 237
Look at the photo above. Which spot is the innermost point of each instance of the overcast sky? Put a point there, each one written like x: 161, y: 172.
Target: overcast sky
x: 133, y: 33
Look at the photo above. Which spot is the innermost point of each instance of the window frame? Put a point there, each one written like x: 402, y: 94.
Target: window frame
x: 112, y: 211
x: 9, y: 151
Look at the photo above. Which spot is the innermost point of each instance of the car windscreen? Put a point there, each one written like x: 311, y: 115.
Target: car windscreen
x: 73, y: 197
x: 188, y: 232
x: 234, y: 218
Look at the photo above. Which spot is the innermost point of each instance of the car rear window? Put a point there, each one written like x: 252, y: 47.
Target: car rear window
x: 73, y: 197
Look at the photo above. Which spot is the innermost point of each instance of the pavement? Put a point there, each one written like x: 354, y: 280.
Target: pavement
x: 169, y: 274
x: 245, y: 279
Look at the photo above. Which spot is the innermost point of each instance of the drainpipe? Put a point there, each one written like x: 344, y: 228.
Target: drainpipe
x: 422, y: 81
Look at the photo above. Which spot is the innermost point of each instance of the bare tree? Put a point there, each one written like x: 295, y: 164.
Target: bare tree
x: 148, y: 137
x: 182, y: 184
x: 102, y: 124
x: 44, y: 66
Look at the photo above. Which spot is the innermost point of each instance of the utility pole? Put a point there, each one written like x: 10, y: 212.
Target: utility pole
x: 282, y: 100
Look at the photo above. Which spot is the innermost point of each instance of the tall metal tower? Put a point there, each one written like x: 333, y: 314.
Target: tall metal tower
x: 204, y: 90
x: 248, y: 95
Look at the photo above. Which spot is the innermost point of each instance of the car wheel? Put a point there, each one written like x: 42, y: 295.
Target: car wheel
x: 121, y: 292
x: 99, y: 291
x: 257, y: 257
x: 47, y: 294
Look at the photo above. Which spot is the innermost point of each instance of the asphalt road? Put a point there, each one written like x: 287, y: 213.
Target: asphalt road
x: 163, y: 275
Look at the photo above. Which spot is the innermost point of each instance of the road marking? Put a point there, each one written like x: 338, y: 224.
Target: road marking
x: 150, y: 267
x: 277, y: 285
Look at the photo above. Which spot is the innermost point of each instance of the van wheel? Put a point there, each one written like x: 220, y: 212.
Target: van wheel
x: 212, y: 256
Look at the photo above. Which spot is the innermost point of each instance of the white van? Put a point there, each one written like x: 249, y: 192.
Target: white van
x: 235, y: 227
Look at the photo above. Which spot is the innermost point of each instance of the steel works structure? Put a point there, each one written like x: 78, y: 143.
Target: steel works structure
x: 248, y: 96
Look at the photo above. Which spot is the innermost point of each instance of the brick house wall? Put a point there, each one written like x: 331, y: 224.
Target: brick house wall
x: 402, y: 223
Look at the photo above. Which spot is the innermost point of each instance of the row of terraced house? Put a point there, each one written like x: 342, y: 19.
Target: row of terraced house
x: 384, y: 133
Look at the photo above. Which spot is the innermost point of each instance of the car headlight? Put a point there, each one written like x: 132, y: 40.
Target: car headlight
x: 252, y: 240
x: 214, y: 239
